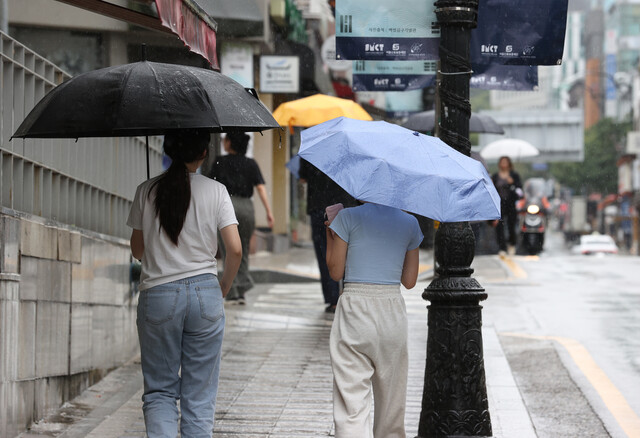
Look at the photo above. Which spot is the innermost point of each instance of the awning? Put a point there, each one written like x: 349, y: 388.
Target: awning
x: 192, y: 24
x: 185, y: 18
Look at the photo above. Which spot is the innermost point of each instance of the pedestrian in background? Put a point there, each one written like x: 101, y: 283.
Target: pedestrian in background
x: 509, y: 187
x: 175, y: 219
x: 375, y: 248
x: 240, y: 174
x: 322, y: 192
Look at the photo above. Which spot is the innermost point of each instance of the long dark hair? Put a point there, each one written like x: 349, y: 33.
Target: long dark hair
x: 173, y: 188
x: 508, y: 161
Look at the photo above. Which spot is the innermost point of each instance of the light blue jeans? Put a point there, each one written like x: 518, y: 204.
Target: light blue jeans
x: 180, y: 328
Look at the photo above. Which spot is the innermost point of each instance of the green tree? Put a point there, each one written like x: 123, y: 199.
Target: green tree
x: 598, y: 172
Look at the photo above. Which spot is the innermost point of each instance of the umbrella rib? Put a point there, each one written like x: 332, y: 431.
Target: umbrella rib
x: 160, y: 92
x: 123, y: 87
x: 212, y: 107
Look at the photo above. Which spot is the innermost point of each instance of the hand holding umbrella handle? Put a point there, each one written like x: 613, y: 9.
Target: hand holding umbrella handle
x: 330, y: 232
x: 331, y: 212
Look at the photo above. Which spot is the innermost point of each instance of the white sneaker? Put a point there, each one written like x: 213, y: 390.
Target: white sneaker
x: 511, y: 250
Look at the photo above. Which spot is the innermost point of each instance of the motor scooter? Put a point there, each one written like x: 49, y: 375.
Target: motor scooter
x: 533, y: 210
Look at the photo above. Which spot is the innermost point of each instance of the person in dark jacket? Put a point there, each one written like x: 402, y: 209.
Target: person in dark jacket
x: 322, y: 192
x: 240, y: 174
x: 509, y: 187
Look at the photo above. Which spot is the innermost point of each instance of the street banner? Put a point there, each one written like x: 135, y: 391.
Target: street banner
x: 504, y: 77
x: 519, y: 32
x: 610, y: 69
x: 415, y: 75
x: 379, y: 30
x: 514, y: 32
x: 393, y: 75
x: 328, y: 55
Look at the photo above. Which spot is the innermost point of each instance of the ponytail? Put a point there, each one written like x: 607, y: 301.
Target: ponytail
x: 173, y: 188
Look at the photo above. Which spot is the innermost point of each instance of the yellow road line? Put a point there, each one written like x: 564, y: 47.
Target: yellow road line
x: 422, y: 268
x: 610, y: 395
x: 515, y: 269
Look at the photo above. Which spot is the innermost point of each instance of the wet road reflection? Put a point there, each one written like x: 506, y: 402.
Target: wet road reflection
x: 594, y: 300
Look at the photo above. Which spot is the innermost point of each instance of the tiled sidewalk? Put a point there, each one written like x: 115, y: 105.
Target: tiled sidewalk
x: 276, y: 374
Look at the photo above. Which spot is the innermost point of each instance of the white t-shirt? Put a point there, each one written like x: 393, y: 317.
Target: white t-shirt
x: 210, y: 210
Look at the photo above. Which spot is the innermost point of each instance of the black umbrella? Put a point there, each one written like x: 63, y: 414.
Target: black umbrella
x: 145, y: 98
x: 425, y: 122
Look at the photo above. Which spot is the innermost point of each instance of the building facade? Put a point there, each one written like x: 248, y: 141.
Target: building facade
x: 67, y: 293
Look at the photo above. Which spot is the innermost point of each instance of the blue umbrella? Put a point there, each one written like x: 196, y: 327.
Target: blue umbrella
x: 390, y: 165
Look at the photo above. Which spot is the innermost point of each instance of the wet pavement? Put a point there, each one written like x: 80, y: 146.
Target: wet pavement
x: 581, y: 312
x: 276, y: 375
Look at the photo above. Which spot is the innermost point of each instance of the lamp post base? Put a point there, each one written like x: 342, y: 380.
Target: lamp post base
x: 454, y: 401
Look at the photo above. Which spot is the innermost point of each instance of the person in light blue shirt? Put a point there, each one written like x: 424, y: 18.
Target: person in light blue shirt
x: 375, y: 249
x: 378, y: 238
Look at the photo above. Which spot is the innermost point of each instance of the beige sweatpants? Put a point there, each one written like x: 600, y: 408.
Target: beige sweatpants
x: 368, y: 346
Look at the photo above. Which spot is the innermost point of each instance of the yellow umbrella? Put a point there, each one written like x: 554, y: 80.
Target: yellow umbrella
x: 312, y: 110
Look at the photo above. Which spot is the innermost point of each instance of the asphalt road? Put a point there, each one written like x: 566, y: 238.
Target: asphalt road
x: 587, y: 309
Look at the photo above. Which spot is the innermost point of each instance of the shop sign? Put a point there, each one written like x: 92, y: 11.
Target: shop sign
x: 279, y: 74
x: 236, y: 62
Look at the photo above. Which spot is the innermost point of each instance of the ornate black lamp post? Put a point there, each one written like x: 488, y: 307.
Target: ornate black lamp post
x: 454, y: 401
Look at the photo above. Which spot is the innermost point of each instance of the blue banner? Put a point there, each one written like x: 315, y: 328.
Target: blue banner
x: 392, y: 75
x: 407, y: 76
x: 514, y: 32
x: 504, y: 77
x: 611, y: 67
x: 519, y: 32
x: 378, y: 30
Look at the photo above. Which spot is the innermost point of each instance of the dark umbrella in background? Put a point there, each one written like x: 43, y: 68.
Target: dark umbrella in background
x: 425, y: 122
x: 145, y: 98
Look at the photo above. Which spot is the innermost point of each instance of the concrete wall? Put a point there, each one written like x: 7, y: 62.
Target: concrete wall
x: 67, y: 315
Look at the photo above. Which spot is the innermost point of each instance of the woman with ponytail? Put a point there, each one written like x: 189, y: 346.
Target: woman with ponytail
x: 240, y: 174
x: 176, y: 218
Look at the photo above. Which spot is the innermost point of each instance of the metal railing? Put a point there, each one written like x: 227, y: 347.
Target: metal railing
x: 88, y: 183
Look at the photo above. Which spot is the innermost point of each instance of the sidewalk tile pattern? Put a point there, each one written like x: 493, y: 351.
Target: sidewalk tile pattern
x: 276, y: 378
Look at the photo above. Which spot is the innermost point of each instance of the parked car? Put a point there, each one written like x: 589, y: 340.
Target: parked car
x: 596, y: 243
